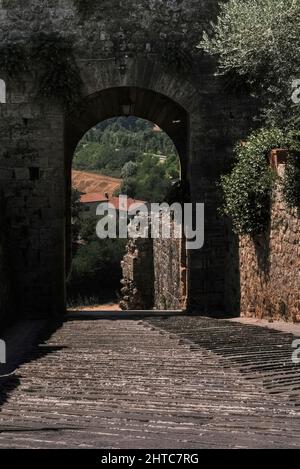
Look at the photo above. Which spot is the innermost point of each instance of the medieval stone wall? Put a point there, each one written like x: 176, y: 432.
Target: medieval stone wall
x: 118, y: 44
x: 134, y: 26
x: 154, y: 274
x: 138, y: 275
x: 270, y: 265
x: 6, y: 297
x: 170, y: 272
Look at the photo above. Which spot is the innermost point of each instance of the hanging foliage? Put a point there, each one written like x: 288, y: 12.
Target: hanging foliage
x: 176, y: 56
x: 59, y: 76
x: 14, y: 59
x: 247, y: 189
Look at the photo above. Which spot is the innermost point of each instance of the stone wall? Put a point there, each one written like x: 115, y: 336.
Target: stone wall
x: 270, y: 264
x: 6, y: 297
x: 134, y: 45
x: 154, y: 274
x: 138, y: 275
x: 170, y: 282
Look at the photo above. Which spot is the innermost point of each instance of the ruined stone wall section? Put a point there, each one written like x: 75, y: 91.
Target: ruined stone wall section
x: 121, y: 44
x: 154, y: 274
x: 169, y: 273
x: 270, y: 265
x: 138, y: 279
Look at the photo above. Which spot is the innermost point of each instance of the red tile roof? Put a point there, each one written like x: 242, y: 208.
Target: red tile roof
x: 92, y: 197
x: 97, y: 197
x: 115, y: 201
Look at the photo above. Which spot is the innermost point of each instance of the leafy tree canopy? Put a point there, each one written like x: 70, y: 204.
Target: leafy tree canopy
x: 260, y: 41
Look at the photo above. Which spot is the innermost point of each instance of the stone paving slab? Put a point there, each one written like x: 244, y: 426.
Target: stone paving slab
x: 155, y: 382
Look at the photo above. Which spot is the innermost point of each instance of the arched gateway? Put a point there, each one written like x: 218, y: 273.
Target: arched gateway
x: 38, y: 139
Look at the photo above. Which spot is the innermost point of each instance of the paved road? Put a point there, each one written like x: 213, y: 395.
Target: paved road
x: 178, y: 382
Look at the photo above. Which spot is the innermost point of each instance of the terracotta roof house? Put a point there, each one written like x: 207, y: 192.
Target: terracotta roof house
x: 93, y: 199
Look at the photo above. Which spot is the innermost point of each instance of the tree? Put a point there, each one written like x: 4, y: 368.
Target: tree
x: 96, y: 264
x: 129, y: 169
x: 258, y: 40
x: 96, y: 270
x: 128, y: 187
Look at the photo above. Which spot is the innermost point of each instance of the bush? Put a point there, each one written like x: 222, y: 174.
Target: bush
x: 96, y: 264
x: 247, y: 190
x: 96, y: 269
x: 129, y: 169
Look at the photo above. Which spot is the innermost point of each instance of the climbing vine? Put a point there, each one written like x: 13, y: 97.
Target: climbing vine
x: 59, y: 75
x: 14, y: 59
x: 247, y: 189
x: 176, y: 56
x: 84, y: 7
x: 51, y: 57
x: 81, y: 5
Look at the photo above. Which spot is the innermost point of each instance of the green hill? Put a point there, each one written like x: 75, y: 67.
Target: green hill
x: 132, y: 149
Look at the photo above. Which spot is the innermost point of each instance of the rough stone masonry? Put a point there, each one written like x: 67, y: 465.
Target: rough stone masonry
x: 139, y: 52
x: 270, y: 263
x: 154, y: 272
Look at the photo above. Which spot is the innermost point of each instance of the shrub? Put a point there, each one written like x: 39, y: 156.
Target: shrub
x: 247, y: 189
x: 96, y: 269
x: 129, y: 169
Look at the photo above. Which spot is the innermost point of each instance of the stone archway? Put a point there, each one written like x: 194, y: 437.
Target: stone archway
x: 203, y: 126
x: 172, y: 118
x: 178, y: 108
x: 118, y: 46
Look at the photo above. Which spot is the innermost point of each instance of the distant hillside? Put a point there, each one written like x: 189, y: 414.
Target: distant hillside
x: 89, y: 182
x: 132, y: 149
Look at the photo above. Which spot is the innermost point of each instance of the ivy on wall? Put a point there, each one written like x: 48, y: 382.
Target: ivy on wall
x: 247, y: 189
x: 81, y: 6
x: 176, y: 57
x: 51, y: 57
x: 14, y: 59
x: 84, y: 7
x: 59, y: 75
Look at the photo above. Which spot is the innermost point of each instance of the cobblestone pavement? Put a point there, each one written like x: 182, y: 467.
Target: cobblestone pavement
x: 178, y: 382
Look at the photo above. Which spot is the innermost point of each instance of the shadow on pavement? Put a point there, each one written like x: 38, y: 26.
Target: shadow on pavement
x: 25, y: 342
